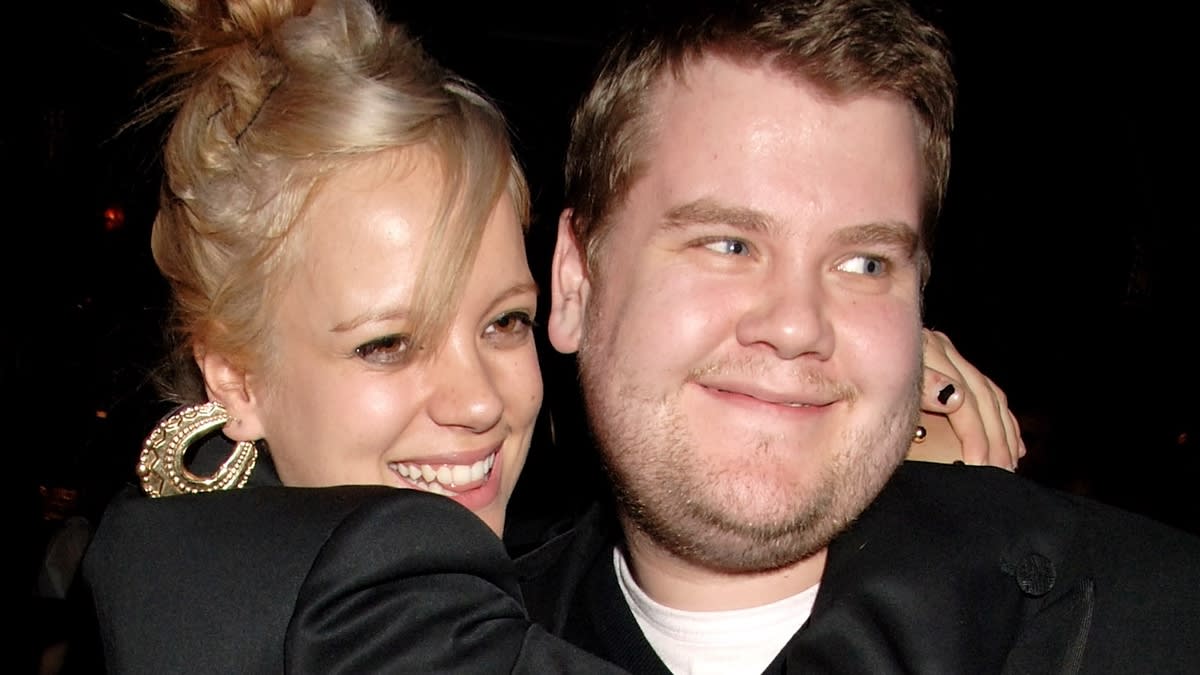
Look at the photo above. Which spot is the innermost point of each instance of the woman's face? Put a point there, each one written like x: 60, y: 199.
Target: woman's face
x: 346, y: 401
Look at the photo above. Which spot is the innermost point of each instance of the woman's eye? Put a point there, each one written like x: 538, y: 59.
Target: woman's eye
x: 867, y: 265
x: 385, y: 350
x: 510, y: 328
x: 728, y: 246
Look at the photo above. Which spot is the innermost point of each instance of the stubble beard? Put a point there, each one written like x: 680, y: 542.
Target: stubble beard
x: 704, y: 518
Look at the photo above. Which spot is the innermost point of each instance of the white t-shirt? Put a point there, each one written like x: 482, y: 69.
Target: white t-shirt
x: 717, y: 643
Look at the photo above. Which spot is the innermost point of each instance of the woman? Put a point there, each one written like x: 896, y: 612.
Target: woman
x: 342, y: 227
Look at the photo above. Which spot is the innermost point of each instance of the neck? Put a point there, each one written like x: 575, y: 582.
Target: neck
x: 686, y: 585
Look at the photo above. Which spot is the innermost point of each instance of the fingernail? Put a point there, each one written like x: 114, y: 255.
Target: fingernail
x: 945, y: 394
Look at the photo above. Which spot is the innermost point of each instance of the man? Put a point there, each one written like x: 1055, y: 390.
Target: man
x: 750, y: 189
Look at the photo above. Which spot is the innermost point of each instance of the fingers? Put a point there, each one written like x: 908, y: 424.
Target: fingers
x: 976, y: 408
x: 952, y: 420
x: 1005, y: 446
x: 940, y: 444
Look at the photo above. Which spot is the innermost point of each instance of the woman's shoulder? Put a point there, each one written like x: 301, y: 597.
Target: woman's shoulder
x: 234, y: 563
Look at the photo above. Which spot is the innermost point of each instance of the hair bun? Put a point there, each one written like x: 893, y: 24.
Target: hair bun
x: 224, y: 22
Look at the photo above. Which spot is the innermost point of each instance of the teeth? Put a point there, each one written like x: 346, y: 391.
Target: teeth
x: 461, y: 474
x: 447, y: 476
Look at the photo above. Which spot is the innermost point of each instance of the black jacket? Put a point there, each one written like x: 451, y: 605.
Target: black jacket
x: 951, y: 570
x: 332, y: 580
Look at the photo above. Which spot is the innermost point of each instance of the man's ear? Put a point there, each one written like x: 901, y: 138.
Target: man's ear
x: 569, y: 289
x: 229, y: 385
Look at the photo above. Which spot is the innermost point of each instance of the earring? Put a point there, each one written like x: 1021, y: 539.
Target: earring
x: 920, y: 434
x: 160, y: 466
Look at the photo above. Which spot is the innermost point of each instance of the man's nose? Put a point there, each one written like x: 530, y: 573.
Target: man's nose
x: 790, y: 316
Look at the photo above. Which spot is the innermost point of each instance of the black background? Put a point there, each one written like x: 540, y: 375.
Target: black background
x: 1062, y: 267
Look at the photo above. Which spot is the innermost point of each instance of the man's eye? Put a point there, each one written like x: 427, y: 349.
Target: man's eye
x: 728, y: 246
x: 868, y: 265
x: 510, y: 328
x: 391, y: 349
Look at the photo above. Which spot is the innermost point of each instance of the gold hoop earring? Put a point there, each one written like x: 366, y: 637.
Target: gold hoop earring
x: 160, y: 466
x: 920, y: 434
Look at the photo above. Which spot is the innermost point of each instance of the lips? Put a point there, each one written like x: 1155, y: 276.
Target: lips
x: 782, y: 397
x: 773, y: 399
x: 446, y: 478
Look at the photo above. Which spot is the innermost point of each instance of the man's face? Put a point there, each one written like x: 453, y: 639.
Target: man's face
x: 750, y: 340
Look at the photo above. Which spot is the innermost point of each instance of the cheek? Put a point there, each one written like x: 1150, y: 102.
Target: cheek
x: 327, y: 425
x: 368, y: 403
x: 367, y: 412
x: 877, y: 337
x: 382, y: 401
x: 518, y: 376
x: 686, y: 316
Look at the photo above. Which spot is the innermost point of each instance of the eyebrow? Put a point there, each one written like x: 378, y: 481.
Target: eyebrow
x: 894, y: 234
x: 399, y: 313
x: 516, y: 289
x: 708, y: 212
x: 370, y: 317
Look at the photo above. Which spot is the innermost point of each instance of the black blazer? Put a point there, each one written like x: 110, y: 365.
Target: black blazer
x: 334, y: 580
x: 951, y: 570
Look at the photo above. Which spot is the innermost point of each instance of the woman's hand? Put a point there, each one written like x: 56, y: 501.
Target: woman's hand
x: 964, y: 414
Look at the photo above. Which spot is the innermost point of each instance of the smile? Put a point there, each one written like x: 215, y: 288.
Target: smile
x: 446, y: 479
x: 755, y: 397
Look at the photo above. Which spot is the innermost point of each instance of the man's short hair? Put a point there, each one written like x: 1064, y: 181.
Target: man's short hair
x: 845, y: 47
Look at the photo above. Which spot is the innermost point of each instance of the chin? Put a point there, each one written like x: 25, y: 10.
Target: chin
x: 494, y: 521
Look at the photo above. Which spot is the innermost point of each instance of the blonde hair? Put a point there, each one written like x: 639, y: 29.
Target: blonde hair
x: 269, y: 98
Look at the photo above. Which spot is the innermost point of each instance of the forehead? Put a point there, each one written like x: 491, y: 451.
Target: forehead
x: 386, y: 198
x: 765, y: 139
x: 360, y: 256
x: 359, y: 241
x: 372, y: 220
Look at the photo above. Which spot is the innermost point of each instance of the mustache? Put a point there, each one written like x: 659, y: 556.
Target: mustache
x: 753, y: 368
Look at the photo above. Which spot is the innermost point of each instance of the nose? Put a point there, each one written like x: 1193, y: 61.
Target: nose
x: 789, y: 316
x: 464, y: 388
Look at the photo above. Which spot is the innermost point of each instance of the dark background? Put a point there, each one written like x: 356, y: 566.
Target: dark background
x: 1063, y: 267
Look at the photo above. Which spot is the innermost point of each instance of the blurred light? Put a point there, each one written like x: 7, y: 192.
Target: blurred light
x: 57, y: 501
x: 114, y: 218
x: 102, y: 414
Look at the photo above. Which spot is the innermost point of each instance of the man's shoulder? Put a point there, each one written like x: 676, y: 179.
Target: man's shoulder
x: 993, y: 501
x: 1064, y: 579
x: 971, y: 522
x: 968, y: 509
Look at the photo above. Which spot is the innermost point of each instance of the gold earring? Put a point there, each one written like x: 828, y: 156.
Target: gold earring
x: 920, y: 434
x: 160, y: 466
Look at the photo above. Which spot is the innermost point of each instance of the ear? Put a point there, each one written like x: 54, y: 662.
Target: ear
x: 569, y: 289
x: 229, y: 385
